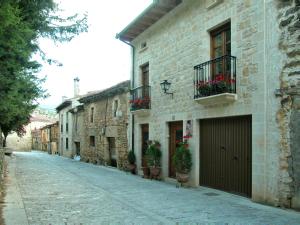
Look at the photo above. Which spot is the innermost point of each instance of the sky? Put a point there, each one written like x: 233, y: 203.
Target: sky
x: 97, y: 57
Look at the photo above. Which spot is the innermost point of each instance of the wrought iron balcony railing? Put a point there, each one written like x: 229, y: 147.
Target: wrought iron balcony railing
x: 140, y: 98
x: 215, y: 77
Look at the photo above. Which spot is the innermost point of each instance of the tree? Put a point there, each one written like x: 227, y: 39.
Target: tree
x: 22, y: 23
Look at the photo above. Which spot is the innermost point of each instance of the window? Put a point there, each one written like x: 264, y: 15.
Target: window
x: 115, y: 109
x: 221, y: 46
x: 143, y: 45
x: 145, y: 74
x: 92, y: 141
x: 76, y: 123
x: 67, y: 143
x: 92, y: 115
x: 61, y: 123
x: 145, y: 80
x: 67, y: 120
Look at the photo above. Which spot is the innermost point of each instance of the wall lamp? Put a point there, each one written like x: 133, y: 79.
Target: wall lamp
x: 165, y: 86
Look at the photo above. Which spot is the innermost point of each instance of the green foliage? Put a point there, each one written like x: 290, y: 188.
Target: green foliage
x: 182, y: 159
x: 131, y: 157
x: 153, y: 154
x: 22, y: 23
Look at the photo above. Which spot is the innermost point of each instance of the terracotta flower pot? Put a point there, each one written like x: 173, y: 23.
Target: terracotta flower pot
x: 146, y: 172
x: 155, y: 172
x: 182, y: 177
x: 131, y: 168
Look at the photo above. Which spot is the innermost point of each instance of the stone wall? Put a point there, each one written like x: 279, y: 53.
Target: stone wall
x: 105, y: 124
x: 288, y: 114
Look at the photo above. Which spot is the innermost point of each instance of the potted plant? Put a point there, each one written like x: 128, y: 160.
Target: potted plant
x: 131, y: 161
x: 153, y: 159
x: 182, y: 160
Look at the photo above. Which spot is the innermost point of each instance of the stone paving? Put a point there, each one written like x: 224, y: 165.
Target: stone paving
x: 44, y: 189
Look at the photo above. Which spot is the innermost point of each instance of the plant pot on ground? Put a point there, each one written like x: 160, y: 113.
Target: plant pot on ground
x: 153, y: 159
x: 182, y: 160
x: 131, y: 160
x: 146, y: 171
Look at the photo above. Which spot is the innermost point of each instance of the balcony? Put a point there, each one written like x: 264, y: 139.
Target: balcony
x: 140, y: 103
x: 215, y: 81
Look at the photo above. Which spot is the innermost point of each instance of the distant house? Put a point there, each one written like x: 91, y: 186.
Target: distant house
x: 225, y: 74
x: 36, y: 139
x: 24, y: 143
x: 49, y: 138
x: 105, y: 121
x: 54, y: 130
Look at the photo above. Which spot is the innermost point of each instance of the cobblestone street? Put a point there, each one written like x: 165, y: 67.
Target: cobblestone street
x: 44, y: 189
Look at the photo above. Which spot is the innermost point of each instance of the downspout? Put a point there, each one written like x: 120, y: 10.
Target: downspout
x: 132, y: 87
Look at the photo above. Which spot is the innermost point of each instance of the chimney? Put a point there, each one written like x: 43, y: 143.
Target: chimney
x: 76, y: 87
x: 64, y: 98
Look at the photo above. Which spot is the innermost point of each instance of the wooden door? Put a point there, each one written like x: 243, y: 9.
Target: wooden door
x: 176, y: 134
x: 145, y: 75
x: 221, y: 46
x: 112, y: 151
x: 225, y: 154
x: 77, y: 148
x: 145, y: 138
x: 145, y: 81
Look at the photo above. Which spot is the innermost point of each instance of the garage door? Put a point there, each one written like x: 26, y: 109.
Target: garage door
x: 225, y: 154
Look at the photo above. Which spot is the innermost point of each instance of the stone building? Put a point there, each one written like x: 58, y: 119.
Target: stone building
x: 53, y: 145
x: 226, y: 73
x: 66, y: 146
x: 36, y: 139
x: 49, y: 138
x: 45, y: 138
x: 105, y: 126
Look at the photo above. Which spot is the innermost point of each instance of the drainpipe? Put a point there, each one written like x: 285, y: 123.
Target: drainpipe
x: 132, y: 86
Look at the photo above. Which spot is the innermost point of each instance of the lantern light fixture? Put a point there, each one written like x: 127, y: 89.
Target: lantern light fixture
x: 165, y: 86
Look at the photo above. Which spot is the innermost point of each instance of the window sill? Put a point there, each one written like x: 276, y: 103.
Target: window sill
x: 141, y: 112
x: 143, y: 49
x: 217, y: 99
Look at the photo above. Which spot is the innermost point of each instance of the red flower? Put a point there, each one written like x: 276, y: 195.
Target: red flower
x: 187, y: 136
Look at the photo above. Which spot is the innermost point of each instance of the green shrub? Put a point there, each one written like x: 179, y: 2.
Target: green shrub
x: 182, y: 158
x: 131, y: 157
x: 153, y: 154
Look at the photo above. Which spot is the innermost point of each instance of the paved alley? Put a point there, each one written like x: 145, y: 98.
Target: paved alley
x: 46, y: 189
